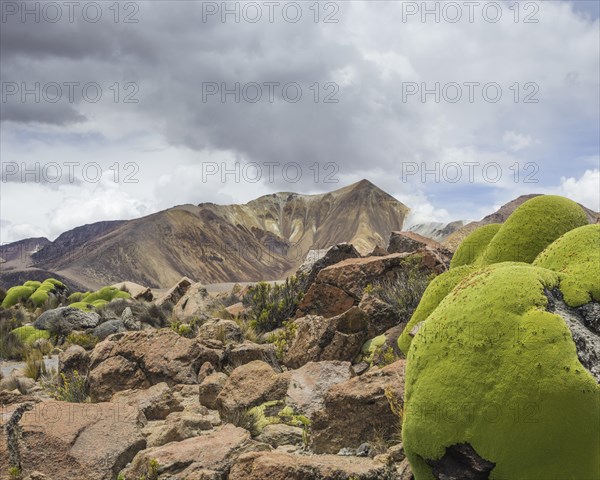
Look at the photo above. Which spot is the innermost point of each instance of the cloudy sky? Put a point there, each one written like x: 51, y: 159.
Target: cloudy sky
x: 116, y: 111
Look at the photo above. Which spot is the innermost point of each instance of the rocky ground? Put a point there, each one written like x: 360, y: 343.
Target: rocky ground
x: 214, y: 405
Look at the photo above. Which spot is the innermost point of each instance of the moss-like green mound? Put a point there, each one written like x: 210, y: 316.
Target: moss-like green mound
x: 28, y: 334
x: 32, y: 284
x: 86, y: 307
x: 42, y: 293
x: 473, y: 246
x: 531, y: 228
x: 107, y: 294
x: 492, y: 368
x: 16, y: 295
x: 576, y: 256
x: 439, y: 287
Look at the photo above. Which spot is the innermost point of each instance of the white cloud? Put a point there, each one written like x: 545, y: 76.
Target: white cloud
x: 585, y: 189
x: 516, y: 141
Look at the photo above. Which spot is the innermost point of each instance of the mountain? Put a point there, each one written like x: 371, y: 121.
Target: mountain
x: 264, y: 239
x: 500, y: 216
x: 437, y: 231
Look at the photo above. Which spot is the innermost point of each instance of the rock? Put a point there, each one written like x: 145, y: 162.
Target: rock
x: 206, y: 369
x: 283, y: 466
x: 403, y: 470
x: 192, y: 303
x: 36, y: 476
x: 247, y: 352
x: 310, y: 383
x: 317, y: 260
x: 17, y: 383
x: 364, y: 450
x: 236, y: 310
x: 378, y: 252
x: 66, y: 319
x: 210, y: 389
x: 318, y: 338
x: 325, y: 300
x: 357, y: 411
x: 156, y: 402
x: 251, y: 385
x: 461, y: 462
x: 141, y: 359
x: 408, y: 242
x: 381, y: 315
x: 129, y: 320
x: 227, y: 331
x: 279, y: 434
x: 353, y: 275
x: 175, y: 293
x: 137, y: 291
x: 396, y: 452
x: 178, y: 426
x: 72, y: 440
x: 74, y: 358
x: 109, y: 327
x: 208, y: 456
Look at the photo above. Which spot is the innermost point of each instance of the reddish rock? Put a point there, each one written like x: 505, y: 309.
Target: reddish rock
x: 141, y: 359
x: 318, y: 338
x: 251, y: 385
x: 324, y: 300
x: 208, y: 456
x: 76, y: 440
x: 284, y: 466
x: 358, y: 410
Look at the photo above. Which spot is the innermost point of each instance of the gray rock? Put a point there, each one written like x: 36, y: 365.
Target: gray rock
x: 309, y: 384
x: 68, y: 319
x: 364, y: 450
x: 108, y: 328
x: 280, y: 434
x: 587, y: 341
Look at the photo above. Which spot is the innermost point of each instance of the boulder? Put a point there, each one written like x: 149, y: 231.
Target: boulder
x: 227, y: 331
x: 193, y: 302
x: 174, y: 294
x: 137, y: 291
x: 381, y: 315
x: 325, y: 300
x: 408, y: 242
x: 66, y: 319
x: 278, y: 434
x: 358, y: 410
x: 353, y: 275
x: 178, y: 426
x: 156, y: 402
x: 236, y: 355
x: 310, y: 383
x: 210, y: 388
x: 318, y: 338
x: 208, y: 456
x: 74, y: 358
x: 141, y: 359
x: 285, y: 466
x: 317, y: 260
x: 109, y: 327
x: 72, y: 440
x: 251, y: 385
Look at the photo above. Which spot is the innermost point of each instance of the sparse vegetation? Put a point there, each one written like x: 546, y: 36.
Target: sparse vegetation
x: 34, y: 365
x: 73, y: 388
x: 271, y: 305
x: 282, y: 338
x: 85, y: 340
x: 404, y: 290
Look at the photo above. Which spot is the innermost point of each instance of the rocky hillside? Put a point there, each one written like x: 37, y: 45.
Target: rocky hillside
x: 265, y: 239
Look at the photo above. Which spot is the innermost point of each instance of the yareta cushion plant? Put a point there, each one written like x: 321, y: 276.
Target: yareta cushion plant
x: 493, y: 371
